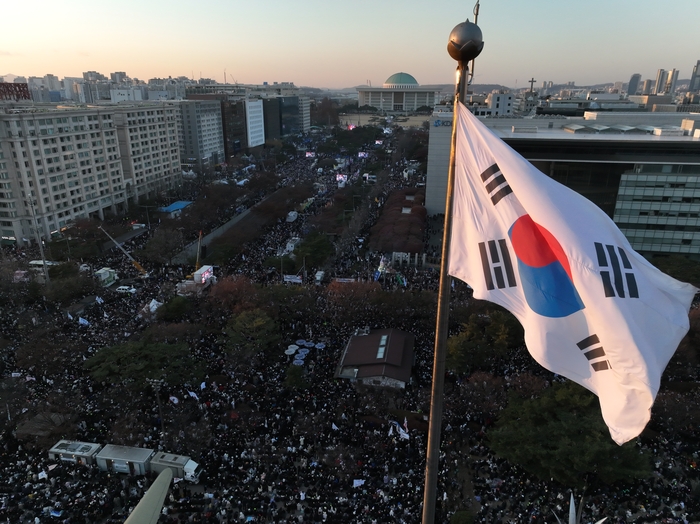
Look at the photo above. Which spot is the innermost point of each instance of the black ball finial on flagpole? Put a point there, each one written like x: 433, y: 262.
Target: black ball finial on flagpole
x: 466, y: 42
x: 464, y: 45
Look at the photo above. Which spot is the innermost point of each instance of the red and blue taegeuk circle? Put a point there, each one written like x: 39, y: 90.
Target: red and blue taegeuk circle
x: 544, y: 269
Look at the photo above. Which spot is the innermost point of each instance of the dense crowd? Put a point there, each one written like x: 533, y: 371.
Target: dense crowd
x: 276, y: 454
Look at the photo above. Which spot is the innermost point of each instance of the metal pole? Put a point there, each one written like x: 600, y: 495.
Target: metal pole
x: 464, y: 45
x: 441, y: 327
x: 38, y: 239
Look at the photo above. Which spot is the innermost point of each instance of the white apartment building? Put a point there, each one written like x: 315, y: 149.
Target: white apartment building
x: 150, y: 151
x: 60, y: 164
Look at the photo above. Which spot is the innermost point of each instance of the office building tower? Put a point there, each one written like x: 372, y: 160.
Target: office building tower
x: 695, y: 78
x: 633, y: 85
x: 118, y: 77
x: 671, y: 79
x: 660, y: 84
x: 202, y: 137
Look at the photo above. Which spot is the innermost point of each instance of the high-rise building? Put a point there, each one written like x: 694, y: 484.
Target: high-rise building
x: 647, y: 87
x: 671, y: 79
x: 202, y: 137
x: 255, y: 122
x: 57, y: 165
x: 695, y: 78
x: 661, y: 77
x: 52, y: 83
x: 118, y: 77
x: 273, y: 120
x: 633, y: 85
x: 93, y: 76
x: 150, y: 150
x: 243, y: 121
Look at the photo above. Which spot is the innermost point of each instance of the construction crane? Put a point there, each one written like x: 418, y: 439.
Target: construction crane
x: 199, y: 250
x: 136, y: 264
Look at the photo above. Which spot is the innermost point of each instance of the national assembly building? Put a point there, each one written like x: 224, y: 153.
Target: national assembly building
x: 400, y: 93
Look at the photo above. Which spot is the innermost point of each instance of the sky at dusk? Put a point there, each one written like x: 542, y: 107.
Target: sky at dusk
x: 342, y: 43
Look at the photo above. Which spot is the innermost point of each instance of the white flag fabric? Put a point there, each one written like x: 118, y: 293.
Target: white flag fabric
x: 70, y: 317
x: 83, y: 322
x: 193, y: 395
x: 401, y: 431
x: 593, y: 310
x: 334, y: 427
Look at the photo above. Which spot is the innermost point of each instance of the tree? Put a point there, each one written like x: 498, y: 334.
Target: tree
x: 484, y: 337
x: 324, y: 113
x: 315, y: 249
x: 561, y: 435
x: 679, y: 267
x: 163, y: 245
x: 250, y: 333
x: 66, y: 290
x: 295, y: 379
x: 134, y: 362
x: 174, y: 309
x: 234, y: 294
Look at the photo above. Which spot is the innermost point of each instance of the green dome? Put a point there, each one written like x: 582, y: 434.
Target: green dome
x: 400, y: 79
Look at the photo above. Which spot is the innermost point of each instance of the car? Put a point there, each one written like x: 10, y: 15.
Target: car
x: 126, y: 289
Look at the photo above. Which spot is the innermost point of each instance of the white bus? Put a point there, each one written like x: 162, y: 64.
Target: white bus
x: 38, y: 265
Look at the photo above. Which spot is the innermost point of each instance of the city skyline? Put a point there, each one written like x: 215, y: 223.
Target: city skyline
x: 344, y: 44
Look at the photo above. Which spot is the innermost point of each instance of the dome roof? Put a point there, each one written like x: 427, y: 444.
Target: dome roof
x: 400, y: 79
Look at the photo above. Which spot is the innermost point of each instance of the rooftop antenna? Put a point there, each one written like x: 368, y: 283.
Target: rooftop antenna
x: 471, y: 69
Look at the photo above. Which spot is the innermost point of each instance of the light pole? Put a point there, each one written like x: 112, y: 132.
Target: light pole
x: 156, y: 384
x: 148, y: 218
x: 38, y: 238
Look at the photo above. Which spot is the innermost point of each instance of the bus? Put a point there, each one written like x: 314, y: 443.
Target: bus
x: 38, y: 265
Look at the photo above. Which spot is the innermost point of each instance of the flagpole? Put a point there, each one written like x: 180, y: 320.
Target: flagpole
x: 465, y: 44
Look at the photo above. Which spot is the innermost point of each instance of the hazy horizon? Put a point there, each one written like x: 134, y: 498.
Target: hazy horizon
x: 344, y: 44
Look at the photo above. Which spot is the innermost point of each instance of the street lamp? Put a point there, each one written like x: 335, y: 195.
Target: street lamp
x: 156, y: 384
x: 38, y: 238
x: 148, y: 218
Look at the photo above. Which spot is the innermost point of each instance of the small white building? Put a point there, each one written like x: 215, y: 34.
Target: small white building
x: 75, y: 452
x: 124, y: 459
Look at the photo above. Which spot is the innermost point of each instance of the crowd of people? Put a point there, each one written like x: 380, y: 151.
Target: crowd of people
x: 271, y: 453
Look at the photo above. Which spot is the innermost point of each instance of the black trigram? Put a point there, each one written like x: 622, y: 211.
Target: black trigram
x: 496, y: 262
x: 608, y: 258
x: 496, y: 185
x: 593, y: 350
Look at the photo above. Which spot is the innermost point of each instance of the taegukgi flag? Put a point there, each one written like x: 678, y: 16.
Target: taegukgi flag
x: 593, y: 310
